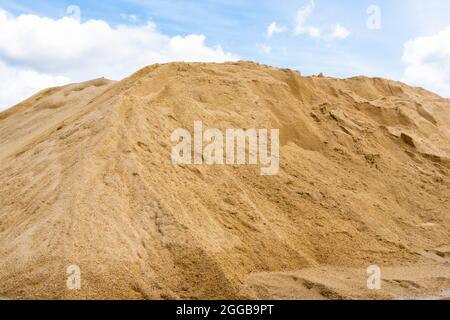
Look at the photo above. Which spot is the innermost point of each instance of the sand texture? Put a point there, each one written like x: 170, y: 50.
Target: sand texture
x: 86, y: 179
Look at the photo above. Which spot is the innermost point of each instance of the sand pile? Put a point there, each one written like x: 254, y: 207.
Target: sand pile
x: 86, y: 179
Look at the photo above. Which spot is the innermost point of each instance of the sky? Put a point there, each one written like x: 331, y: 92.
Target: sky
x: 49, y: 43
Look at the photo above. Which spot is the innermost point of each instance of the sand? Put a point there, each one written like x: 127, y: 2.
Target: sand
x: 86, y: 179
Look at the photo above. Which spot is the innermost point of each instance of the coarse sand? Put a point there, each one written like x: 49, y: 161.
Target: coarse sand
x: 86, y: 179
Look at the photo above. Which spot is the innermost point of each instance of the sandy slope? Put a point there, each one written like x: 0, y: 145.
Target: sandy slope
x: 87, y: 179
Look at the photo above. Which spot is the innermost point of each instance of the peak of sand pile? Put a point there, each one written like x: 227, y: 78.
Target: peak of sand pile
x: 86, y: 179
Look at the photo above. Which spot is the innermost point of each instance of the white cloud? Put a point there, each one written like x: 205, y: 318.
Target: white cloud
x: 427, y: 61
x: 274, y: 28
x: 313, y: 32
x: 302, y: 27
x: 18, y: 83
x: 302, y: 15
x: 41, y: 47
x: 340, y: 32
x: 301, y: 18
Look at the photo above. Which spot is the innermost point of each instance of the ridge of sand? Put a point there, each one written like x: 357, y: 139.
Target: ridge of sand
x: 86, y: 179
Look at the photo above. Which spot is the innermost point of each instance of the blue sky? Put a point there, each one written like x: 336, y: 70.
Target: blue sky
x: 240, y: 28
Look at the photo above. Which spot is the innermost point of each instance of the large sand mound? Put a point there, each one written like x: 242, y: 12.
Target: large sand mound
x: 86, y: 179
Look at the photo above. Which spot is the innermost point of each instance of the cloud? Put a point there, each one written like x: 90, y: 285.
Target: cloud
x: 33, y: 48
x: 301, y: 18
x: 427, y: 62
x: 274, y: 28
x: 301, y: 27
x: 340, y: 32
x: 17, y: 84
x: 302, y: 15
x: 313, y: 32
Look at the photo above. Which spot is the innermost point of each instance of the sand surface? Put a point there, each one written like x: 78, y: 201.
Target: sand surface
x: 86, y: 179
